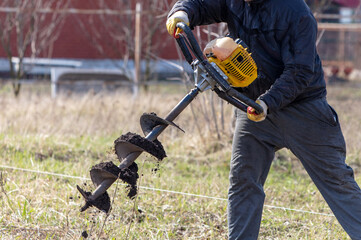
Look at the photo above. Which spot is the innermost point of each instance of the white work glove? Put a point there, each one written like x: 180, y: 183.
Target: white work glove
x: 252, y: 114
x: 179, y: 16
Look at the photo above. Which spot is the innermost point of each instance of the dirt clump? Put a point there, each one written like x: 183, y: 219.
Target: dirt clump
x: 102, y: 203
x: 108, y: 167
x: 130, y: 175
x: 127, y: 175
x: 84, y: 234
x: 154, y: 148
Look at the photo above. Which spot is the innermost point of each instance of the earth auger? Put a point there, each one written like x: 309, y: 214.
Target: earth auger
x: 210, y: 73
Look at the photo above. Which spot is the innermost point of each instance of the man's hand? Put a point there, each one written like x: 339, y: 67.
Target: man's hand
x: 252, y: 114
x: 175, y: 18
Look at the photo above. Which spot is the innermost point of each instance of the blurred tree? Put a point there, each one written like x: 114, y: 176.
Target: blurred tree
x: 119, y: 22
x: 33, y: 25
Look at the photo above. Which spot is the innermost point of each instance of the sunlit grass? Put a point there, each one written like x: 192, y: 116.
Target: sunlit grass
x: 69, y: 134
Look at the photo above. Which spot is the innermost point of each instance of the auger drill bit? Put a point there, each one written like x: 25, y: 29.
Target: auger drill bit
x: 128, y: 148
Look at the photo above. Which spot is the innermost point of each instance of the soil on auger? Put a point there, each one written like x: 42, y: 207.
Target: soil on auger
x: 127, y: 175
x: 154, y: 148
x: 102, y: 203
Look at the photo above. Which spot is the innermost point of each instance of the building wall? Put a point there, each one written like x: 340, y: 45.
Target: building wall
x: 96, y: 36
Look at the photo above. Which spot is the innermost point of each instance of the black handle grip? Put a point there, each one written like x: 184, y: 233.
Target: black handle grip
x: 192, y: 40
x: 234, y: 93
x: 231, y: 100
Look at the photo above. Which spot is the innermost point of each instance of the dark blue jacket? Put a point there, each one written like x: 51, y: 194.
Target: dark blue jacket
x: 281, y: 34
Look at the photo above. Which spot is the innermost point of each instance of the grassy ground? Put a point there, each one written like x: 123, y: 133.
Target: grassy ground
x: 58, y: 140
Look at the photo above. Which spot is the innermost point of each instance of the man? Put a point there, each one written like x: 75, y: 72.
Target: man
x: 291, y: 89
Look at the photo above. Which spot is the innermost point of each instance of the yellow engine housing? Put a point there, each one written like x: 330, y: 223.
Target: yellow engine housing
x: 240, y: 67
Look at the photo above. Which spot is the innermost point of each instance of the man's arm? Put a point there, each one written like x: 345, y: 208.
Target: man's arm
x: 202, y: 12
x: 298, y: 53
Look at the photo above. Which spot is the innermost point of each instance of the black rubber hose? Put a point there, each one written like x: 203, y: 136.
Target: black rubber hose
x: 182, y: 45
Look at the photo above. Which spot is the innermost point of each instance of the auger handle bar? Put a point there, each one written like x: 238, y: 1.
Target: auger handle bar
x: 229, y: 94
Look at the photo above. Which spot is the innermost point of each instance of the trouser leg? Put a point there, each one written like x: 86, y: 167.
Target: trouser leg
x: 250, y: 163
x: 318, y: 142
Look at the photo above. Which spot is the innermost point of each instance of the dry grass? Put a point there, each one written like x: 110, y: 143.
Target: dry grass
x: 69, y: 134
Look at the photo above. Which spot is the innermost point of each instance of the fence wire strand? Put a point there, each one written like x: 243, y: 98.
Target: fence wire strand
x: 162, y: 190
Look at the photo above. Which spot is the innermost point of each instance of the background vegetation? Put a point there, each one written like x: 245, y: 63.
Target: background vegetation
x: 47, y: 147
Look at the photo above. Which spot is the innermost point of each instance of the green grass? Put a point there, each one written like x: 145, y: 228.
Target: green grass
x: 69, y: 135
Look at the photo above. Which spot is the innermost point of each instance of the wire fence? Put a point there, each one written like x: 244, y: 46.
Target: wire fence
x: 164, y: 190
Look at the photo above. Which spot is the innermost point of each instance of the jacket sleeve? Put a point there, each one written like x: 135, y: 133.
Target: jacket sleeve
x: 298, y: 55
x: 202, y: 12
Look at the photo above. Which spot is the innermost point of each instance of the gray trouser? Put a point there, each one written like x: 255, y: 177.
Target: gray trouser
x: 312, y: 132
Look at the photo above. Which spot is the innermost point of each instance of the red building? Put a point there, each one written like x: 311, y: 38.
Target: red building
x: 106, y: 29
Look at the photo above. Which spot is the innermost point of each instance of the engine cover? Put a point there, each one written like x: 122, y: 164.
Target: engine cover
x: 240, y: 67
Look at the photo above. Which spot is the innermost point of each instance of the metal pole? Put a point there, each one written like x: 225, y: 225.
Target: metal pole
x: 137, y: 44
